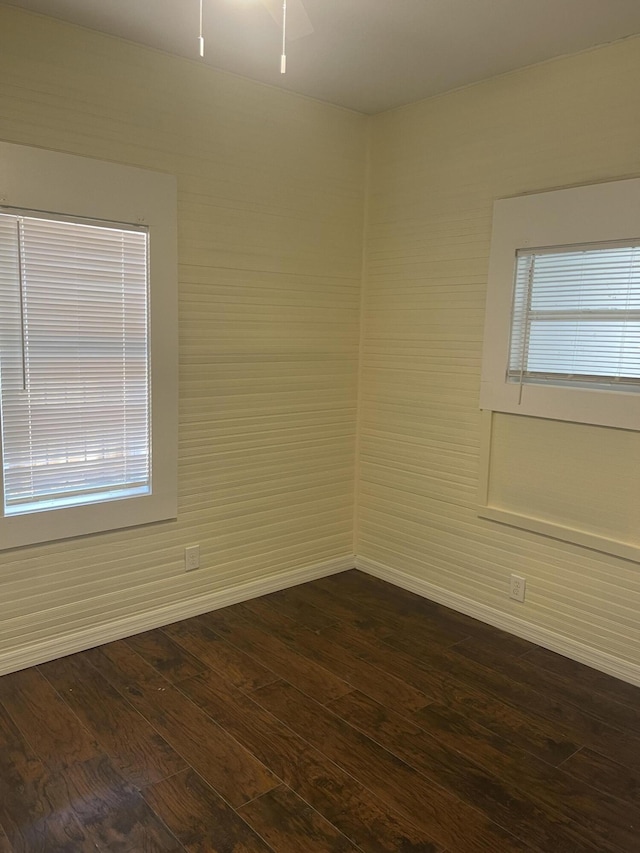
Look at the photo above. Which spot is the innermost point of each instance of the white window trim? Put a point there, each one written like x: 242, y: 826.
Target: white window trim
x: 590, y: 214
x: 39, y: 180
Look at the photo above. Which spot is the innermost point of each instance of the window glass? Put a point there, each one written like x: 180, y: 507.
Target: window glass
x: 576, y: 316
x: 74, y: 371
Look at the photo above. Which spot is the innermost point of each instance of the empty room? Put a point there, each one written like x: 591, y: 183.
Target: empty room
x: 320, y: 426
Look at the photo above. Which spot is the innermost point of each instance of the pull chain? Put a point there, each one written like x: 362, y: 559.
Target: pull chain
x: 283, y: 58
x: 201, y: 38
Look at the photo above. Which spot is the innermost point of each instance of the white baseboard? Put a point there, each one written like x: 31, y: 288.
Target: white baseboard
x: 96, y: 635
x: 541, y: 636
x: 77, y: 641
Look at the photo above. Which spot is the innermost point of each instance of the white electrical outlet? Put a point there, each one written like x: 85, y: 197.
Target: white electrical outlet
x: 517, y: 587
x: 191, y: 558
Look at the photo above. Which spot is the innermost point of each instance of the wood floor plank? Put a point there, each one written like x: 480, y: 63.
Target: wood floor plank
x: 380, y: 622
x: 374, y: 593
x: 499, y: 800
x: 384, y: 687
x: 565, y: 689
x: 345, y: 611
x: 169, y: 658
x: 516, y: 725
x: 115, y: 815
x: 600, y: 817
x: 289, y: 603
x: 342, y: 715
x: 232, y: 771
x: 290, y: 825
x: 136, y: 749
x: 30, y: 806
x: 312, y: 679
x: 219, y: 655
x: 49, y: 811
x: 576, y: 723
x: 442, y: 815
x: 5, y: 847
x: 361, y: 816
x: 604, y: 774
x: 623, y: 692
x: 199, y: 818
x: 58, y: 832
x: 52, y: 729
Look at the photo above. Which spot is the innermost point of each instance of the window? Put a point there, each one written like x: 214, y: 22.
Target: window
x: 576, y: 316
x: 87, y: 346
x: 562, y: 328
x: 74, y: 377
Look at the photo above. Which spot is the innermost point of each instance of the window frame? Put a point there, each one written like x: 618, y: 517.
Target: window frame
x: 599, y: 213
x: 82, y: 188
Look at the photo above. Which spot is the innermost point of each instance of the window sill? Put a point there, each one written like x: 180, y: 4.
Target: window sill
x: 626, y: 550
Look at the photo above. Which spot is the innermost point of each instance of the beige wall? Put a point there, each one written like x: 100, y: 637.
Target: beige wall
x: 270, y: 222
x: 436, y: 168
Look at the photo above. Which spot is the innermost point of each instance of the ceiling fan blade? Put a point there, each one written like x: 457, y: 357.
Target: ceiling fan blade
x: 298, y: 22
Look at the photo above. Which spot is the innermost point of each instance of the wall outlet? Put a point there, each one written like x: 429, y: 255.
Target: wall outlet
x: 517, y: 587
x: 191, y: 558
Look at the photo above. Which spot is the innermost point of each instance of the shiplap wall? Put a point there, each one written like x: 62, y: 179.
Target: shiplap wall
x: 270, y: 245
x: 436, y: 168
x: 594, y: 471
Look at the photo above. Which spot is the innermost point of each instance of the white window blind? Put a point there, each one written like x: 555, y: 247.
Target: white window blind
x: 74, y: 354
x: 576, y: 316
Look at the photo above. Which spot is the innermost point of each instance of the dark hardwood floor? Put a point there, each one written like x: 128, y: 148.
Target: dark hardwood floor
x: 340, y: 716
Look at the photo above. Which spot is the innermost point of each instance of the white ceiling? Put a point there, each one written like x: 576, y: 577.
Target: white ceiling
x: 369, y: 55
